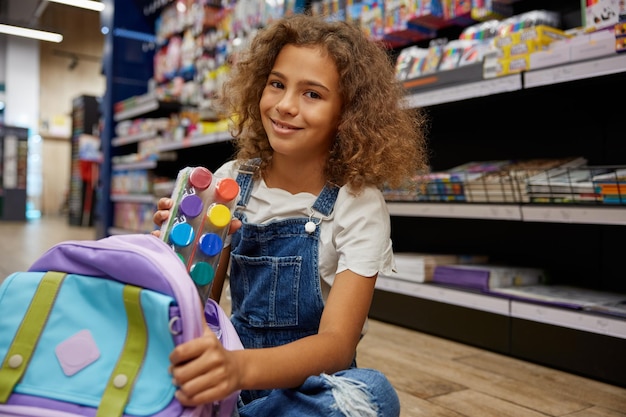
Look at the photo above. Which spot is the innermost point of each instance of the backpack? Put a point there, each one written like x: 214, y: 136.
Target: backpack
x: 88, y: 329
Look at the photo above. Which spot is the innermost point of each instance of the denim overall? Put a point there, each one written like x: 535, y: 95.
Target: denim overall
x: 277, y: 299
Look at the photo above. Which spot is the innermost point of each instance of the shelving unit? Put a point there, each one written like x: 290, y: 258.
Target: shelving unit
x: 150, y: 164
x: 144, y: 104
x: 575, y: 71
x: 514, y: 212
x: 459, y: 92
x: 537, y: 78
x: 85, y: 169
x: 552, y: 112
x: 128, y: 66
x: 138, y: 137
x: 13, y: 169
x: 131, y: 191
x: 144, y: 202
x: 196, y: 141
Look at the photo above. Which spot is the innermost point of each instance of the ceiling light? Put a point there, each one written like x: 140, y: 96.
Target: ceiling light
x: 31, y: 33
x: 83, y: 4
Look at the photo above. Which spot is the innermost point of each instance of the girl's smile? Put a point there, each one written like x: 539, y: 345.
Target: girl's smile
x: 282, y: 126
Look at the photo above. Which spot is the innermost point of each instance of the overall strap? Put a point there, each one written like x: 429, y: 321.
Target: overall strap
x: 326, y: 200
x: 244, y: 179
x: 122, y: 379
x: 21, y: 349
x: 323, y: 204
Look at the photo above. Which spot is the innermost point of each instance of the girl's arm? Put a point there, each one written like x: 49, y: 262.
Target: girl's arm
x: 329, y: 351
x: 206, y: 372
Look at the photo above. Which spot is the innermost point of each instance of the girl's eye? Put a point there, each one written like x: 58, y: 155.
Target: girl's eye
x: 276, y: 84
x: 312, y: 94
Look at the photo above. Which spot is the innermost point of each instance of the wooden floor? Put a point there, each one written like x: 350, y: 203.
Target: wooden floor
x: 434, y: 377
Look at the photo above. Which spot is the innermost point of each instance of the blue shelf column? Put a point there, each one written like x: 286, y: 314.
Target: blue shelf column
x: 128, y: 66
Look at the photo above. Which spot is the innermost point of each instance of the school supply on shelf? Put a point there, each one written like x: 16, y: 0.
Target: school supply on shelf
x: 487, y: 277
x: 89, y: 328
x: 615, y: 308
x: 446, y: 185
x: 509, y: 183
x: 586, y: 184
x: 199, y: 222
x: 565, y: 185
x: 420, y: 267
x: 611, y: 186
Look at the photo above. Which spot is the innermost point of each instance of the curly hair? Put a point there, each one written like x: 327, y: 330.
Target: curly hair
x: 379, y: 142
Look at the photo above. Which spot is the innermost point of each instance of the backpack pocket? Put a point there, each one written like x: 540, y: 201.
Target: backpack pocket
x: 83, y: 343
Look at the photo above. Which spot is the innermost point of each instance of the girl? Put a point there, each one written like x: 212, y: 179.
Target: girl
x: 319, y: 128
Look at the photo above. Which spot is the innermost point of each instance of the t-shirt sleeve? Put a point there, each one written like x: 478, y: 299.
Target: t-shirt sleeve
x: 363, y: 233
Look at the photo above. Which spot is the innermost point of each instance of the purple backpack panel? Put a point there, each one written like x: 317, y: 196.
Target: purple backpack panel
x: 92, y: 270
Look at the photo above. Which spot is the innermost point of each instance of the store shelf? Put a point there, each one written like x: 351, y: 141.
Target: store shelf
x: 571, y: 241
x: 126, y: 140
x: 575, y: 71
x: 465, y: 91
x: 195, y: 141
x: 578, y: 320
x: 559, y: 74
x: 456, y: 210
x: 445, y: 295
x: 143, y: 105
x: 164, y: 189
x: 514, y: 212
x: 578, y: 215
x: 151, y: 164
x: 572, y: 319
x: 133, y: 198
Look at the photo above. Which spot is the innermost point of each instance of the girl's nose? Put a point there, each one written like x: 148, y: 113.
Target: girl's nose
x: 287, y: 105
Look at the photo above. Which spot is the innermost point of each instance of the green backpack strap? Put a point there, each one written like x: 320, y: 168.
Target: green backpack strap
x: 122, y: 379
x: 25, y: 341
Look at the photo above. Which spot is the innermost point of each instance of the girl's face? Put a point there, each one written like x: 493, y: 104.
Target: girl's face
x: 300, y: 105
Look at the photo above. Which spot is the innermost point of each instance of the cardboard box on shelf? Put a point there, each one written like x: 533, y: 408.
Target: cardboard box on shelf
x: 558, y: 53
x: 516, y: 50
x: 600, y: 14
x: 513, y: 65
x: 592, y: 45
x: 541, y: 35
x: 522, y: 48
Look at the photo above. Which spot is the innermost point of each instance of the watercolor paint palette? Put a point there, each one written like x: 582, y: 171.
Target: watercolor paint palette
x: 197, y: 229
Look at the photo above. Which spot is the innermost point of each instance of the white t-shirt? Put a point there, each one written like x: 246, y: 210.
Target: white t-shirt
x: 356, y: 235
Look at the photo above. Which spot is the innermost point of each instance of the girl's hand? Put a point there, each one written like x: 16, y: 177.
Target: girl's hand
x: 164, y: 206
x: 203, y: 370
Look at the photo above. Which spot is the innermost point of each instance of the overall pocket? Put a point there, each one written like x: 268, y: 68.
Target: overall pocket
x: 268, y: 289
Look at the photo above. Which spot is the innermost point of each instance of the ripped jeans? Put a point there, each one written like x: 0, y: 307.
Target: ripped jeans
x: 354, y: 392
